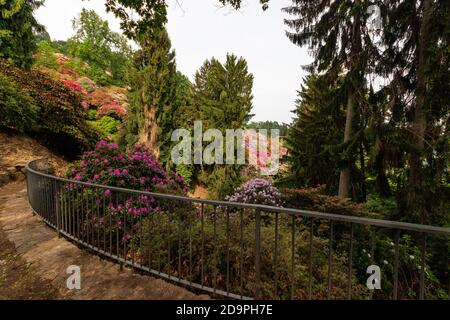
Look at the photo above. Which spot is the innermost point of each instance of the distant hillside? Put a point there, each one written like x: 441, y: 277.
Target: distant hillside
x: 104, y: 102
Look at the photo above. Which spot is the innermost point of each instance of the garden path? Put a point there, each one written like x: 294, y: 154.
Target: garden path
x: 49, y: 256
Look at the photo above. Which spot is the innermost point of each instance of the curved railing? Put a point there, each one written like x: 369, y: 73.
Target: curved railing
x: 241, y: 250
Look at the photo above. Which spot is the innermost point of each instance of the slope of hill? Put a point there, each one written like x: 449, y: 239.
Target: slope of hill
x: 104, y: 101
x: 17, y: 149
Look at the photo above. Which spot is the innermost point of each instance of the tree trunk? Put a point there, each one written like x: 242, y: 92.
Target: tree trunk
x: 148, y: 134
x: 344, y: 180
x: 354, y: 74
x: 419, y: 124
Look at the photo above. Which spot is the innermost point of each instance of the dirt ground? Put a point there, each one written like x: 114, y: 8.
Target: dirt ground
x: 34, y: 262
x: 18, y: 148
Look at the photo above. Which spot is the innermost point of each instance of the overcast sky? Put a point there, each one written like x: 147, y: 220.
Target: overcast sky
x: 201, y: 29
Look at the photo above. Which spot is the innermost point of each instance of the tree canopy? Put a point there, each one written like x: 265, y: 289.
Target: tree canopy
x: 103, y: 49
x: 17, y: 29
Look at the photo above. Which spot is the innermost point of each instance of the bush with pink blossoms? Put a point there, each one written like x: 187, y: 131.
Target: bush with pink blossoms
x: 72, y: 85
x: 134, y: 168
x: 257, y: 191
x: 112, y: 109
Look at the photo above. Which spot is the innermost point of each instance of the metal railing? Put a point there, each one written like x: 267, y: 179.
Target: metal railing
x: 245, y: 251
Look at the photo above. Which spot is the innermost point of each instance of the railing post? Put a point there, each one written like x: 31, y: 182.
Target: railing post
x: 57, y: 209
x: 258, y: 254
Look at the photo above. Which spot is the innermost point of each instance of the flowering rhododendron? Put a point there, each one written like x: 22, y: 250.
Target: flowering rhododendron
x: 257, y: 191
x: 72, y: 85
x: 109, y: 164
x: 134, y: 168
x: 112, y: 108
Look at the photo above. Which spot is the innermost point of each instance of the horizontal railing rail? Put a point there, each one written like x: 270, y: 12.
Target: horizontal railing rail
x: 243, y: 251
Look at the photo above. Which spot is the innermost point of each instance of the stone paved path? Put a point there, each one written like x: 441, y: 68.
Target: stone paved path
x: 50, y: 256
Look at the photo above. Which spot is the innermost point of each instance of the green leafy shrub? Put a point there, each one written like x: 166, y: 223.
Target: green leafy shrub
x: 375, y: 203
x: 91, y: 115
x: 61, y: 118
x: 106, y: 125
x: 221, y: 182
x: 186, y: 172
x: 17, y: 109
x: 178, y: 235
x: 314, y: 199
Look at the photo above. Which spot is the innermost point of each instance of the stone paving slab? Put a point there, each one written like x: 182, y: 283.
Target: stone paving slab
x: 100, y: 279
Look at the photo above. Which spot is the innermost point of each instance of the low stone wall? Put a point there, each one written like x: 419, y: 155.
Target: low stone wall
x: 15, y: 173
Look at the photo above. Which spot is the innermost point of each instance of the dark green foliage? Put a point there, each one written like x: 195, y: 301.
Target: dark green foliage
x: 223, y: 98
x: 60, y: 120
x: 152, y: 16
x: 336, y: 34
x: 222, y: 180
x: 60, y: 46
x: 183, y: 102
x: 160, y: 100
x: 17, y: 28
x: 223, y: 93
x: 153, y: 83
x: 396, y: 139
x: 178, y: 113
x: 314, y: 139
x: 17, y: 109
x: 418, y: 45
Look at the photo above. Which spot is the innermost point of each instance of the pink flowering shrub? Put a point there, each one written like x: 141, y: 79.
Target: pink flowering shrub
x: 72, y: 85
x: 262, y: 157
x: 112, y: 109
x: 257, y: 191
x: 133, y: 168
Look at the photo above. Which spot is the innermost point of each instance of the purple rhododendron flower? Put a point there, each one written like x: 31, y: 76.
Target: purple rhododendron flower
x: 257, y: 191
x: 134, y: 168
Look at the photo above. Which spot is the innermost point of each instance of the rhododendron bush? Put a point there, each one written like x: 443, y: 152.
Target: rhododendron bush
x: 112, y: 109
x: 133, y: 168
x: 120, y: 213
x: 72, y: 85
x: 257, y: 191
x: 60, y: 117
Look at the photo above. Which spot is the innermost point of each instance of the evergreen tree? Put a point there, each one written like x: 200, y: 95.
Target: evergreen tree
x: 223, y: 93
x: 223, y: 99
x: 335, y: 32
x: 315, y: 133
x: 17, y: 29
x: 153, y: 91
x: 417, y: 58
